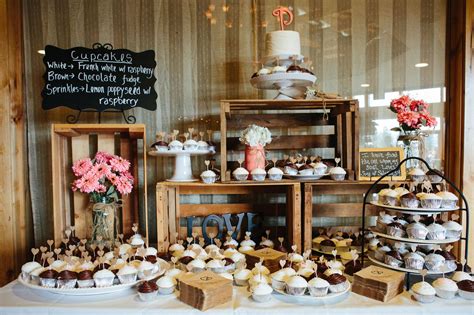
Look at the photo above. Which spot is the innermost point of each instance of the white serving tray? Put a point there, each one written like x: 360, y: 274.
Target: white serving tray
x: 372, y: 259
x: 416, y: 241
x: 330, y: 298
x: 414, y: 210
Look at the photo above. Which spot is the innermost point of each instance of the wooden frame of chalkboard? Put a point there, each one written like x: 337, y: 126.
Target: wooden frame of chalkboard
x: 376, y: 162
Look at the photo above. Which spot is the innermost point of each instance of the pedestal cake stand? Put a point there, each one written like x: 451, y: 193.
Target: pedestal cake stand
x: 182, y: 163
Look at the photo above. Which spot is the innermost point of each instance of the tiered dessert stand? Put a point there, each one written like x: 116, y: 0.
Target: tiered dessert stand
x: 418, y: 211
x: 290, y: 85
x: 182, y: 163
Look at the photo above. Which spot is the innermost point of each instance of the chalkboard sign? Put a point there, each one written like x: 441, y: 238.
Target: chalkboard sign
x: 99, y: 79
x: 374, y: 163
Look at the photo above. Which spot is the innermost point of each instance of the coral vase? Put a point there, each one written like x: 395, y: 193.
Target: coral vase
x: 254, y: 158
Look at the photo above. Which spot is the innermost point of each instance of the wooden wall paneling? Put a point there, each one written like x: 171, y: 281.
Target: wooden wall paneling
x: 80, y: 201
x: 13, y: 210
x: 128, y: 218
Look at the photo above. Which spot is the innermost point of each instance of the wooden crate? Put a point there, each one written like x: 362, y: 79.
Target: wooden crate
x: 170, y: 208
x: 71, y: 142
x: 291, y: 123
x: 351, y: 189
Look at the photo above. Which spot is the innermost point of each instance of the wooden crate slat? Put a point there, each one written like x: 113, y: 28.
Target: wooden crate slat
x: 266, y: 104
x: 61, y: 209
x: 230, y: 189
x: 355, y: 131
x: 241, y: 121
x: 127, y: 217
x: 172, y: 202
x: 341, y: 210
x: 200, y: 210
x: 348, y: 188
x: 347, y: 142
x: 289, y: 142
x: 80, y: 150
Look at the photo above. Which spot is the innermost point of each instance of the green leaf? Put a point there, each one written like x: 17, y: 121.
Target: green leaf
x: 396, y: 129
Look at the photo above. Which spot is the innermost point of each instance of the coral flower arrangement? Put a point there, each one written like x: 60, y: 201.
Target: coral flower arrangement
x: 412, y: 114
x: 103, y: 177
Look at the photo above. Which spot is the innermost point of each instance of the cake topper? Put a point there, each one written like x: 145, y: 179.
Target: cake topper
x: 282, y: 263
x: 280, y: 13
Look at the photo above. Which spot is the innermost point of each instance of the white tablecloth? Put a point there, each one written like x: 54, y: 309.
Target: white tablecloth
x: 17, y: 299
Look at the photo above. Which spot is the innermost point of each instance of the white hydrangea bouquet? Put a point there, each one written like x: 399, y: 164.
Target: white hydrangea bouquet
x: 255, y: 135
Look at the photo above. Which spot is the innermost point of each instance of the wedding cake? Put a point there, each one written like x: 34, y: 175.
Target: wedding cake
x: 282, y: 43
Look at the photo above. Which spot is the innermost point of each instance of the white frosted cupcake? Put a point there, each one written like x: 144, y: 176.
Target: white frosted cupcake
x: 104, y: 278
x: 434, y: 262
x: 449, y: 200
x: 414, y: 261
x: 417, y: 231
x: 208, y: 177
x: 279, y: 279
x: 242, y: 277
x: 430, y: 201
x: 146, y: 269
x: 166, y: 285
x: 28, y: 268
x: 258, y: 174
x: 216, y: 266
x: 381, y: 251
x: 318, y: 287
x: 196, y: 265
x: 190, y: 145
x: 320, y: 168
x: 296, y: 285
x: 257, y: 279
x: 175, y: 145
x: 423, y: 292
x: 416, y: 175
x: 275, y: 173
x: 240, y: 174
x: 127, y: 274
x: 260, y: 269
x: 337, y: 173
x: 445, y: 288
x: 460, y: 276
x: 262, y: 292
x: 453, y: 229
x: 436, y: 232
x: 34, y: 275
x: 382, y: 221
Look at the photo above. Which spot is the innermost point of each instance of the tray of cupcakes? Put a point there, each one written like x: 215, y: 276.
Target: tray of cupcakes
x: 171, y: 144
x: 82, y: 267
x: 426, y: 229
x: 325, y: 242
x: 413, y: 257
x: 312, y: 168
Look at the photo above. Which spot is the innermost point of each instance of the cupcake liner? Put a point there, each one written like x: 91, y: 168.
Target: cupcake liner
x: 258, y: 177
x: 389, y: 260
x: 416, y: 264
x: 434, y: 178
x: 424, y: 298
x: 445, y: 294
x: 320, y: 171
x: 307, y: 172
x: 278, y: 285
x: 116, y: 280
x: 466, y: 295
x: 338, y: 177
x: 381, y: 227
x: 104, y: 282
x: 275, y: 176
x: 327, y: 249
x: 85, y: 283
x: 48, y: 283
x: 261, y: 298
x: 336, y: 288
x: 390, y: 201
x: 318, y: 292
x: 431, y: 203
x: 208, y: 179
x: 415, y: 233
x: 66, y: 284
x: 410, y: 203
x: 146, y: 297
x: 438, y: 235
x: 35, y: 280
x: 379, y: 255
x: 129, y: 278
x: 451, y: 264
x: 165, y: 291
x: 395, y: 231
x: 434, y: 266
x: 451, y: 234
x: 190, y: 147
x: 290, y: 170
x: 175, y: 147
x: 295, y: 291
x: 161, y: 148
x: 449, y: 204
x: 217, y: 270
x: 241, y: 177
x: 417, y: 178
x: 241, y: 282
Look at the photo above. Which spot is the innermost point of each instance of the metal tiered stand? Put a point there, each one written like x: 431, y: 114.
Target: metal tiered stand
x: 420, y: 211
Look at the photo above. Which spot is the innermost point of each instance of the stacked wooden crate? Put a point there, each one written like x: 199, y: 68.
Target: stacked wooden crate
x: 71, y: 142
x: 297, y: 126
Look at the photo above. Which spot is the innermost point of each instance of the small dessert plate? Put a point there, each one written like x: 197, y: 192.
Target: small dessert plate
x: 414, y: 240
x: 305, y: 177
x: 330, y: 298
x: 414, y: 210
x: 380, y: 263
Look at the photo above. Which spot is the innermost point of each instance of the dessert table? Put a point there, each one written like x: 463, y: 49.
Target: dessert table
x: 17, y: 299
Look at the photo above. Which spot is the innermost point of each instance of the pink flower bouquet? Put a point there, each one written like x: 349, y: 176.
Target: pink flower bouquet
x: 103, y: 177
x: 411, y: 114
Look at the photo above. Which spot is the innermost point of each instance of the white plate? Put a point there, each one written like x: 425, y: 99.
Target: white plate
x: 330, y: 298
x: 306, y: 177
x: 180, y: 152
x: 414, y: 210
x: 330, y: 253
x: 372, y: 259
x: 80, y: 291
x: 415, y: 241
x: 281, y: 80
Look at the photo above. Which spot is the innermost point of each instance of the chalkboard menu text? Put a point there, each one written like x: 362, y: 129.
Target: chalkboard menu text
x: 99, y: 79
x: 374, y: 163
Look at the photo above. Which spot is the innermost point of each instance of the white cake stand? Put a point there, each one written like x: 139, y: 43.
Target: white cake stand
x: 290, y: 85
x: 182, y: 163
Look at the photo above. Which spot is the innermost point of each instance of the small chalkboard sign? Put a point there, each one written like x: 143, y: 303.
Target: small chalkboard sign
x: 99, y: 78
x: 376, y: 162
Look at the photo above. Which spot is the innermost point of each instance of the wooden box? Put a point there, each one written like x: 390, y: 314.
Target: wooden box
x: 244, y: 198
x: 71, y: 142
x: 345, y: 202
x: 205, y: 290
x: 271, y: 258
x: 378, y: 283
x: 297, y: 126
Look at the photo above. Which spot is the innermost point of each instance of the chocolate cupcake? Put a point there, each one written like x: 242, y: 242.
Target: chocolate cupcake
x: 327, y: 246
x: 101, y: 267
x: 337, y: 283
x: 352, y: 267
x: 66, y: 279
x: 84, y: 279
x: 466, y: 289
x: 160, y: 145
x: 151, y: 258
x: 434, y: 176
x: 396, y: 229
x: 409, y: 200
x: 165, y: 256
x: 48, y: 278
x: 294, y: 68
x: 393, y: 258
x: 186, y: 260
x: 305, y: 169
x: 147, y: 290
